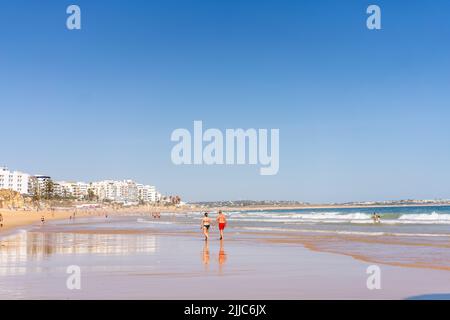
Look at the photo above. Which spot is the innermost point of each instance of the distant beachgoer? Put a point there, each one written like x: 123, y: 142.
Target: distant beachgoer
x: 1, y: 220
x: 222, y: 220
x: 376, y: 218
x: 206, y: 223
x: 42, y: 220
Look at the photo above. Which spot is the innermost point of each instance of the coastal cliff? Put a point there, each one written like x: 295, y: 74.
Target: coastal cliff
x: 11, y: 199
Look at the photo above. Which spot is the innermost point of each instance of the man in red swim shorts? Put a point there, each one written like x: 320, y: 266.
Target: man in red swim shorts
x: 222, y: 221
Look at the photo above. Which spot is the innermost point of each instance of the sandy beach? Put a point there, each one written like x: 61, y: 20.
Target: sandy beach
x: 133, y: 256
x: 22, y: 218
x: 18, y: 218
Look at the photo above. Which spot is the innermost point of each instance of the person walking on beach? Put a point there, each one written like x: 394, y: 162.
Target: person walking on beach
x: 222, y: 221
x: 42, y: 220
x: 1, y: 220
x: 206, y: 223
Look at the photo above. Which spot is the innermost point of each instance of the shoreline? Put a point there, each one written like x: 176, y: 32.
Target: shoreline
x: 13, y: 219
x: 306, y: 207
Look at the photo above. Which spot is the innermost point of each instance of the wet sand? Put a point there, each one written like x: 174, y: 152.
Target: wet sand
x: 157, y: 262
x: 411, y: 253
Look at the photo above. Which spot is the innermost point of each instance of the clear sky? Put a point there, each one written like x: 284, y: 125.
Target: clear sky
x: 363, y: 115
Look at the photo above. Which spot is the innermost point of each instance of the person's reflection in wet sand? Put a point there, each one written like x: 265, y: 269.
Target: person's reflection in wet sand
x: 205, y: 256
x: 222, y: 256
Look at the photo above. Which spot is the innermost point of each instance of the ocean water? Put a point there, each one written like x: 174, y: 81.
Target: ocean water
x: 420, y: 221
x: 416, y: 237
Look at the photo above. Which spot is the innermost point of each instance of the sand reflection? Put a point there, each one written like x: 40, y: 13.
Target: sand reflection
x: 222, y: 256
x: 206, y: 256
x: 19, y: 249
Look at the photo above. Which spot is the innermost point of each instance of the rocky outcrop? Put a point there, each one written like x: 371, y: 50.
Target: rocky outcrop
x: 11, y: 199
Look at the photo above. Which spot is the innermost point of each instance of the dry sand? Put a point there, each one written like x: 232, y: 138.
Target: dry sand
x: 14, y: 219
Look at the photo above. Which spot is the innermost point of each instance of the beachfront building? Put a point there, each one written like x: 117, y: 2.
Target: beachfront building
x: 129, y: 191
x: 110, y: 190
x: 80, y: 190
x: 126, y: 191
x: 147, y: 194
x: 41, y: 182
x: 42, y: 186
x: 64, y: 189
x: 77, y: 190
x: 104, y: 190
x: 14, y: 180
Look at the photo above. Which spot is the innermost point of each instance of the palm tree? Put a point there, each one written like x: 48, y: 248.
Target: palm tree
x: 48, y: 189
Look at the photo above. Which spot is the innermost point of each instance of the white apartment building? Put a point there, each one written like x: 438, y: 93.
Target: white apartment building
x: 123, y: 191
x: 78, y: 190
x: 110, y: 190
x: 146, y: 193
x: 104, y: 190
x: 126, y: 191
x: 14, y: 180
x: 130, y: 192
x: 41, y: 183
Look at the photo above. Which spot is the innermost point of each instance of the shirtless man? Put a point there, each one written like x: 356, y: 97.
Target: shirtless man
x: 206, y: 223
x: 222, y: 221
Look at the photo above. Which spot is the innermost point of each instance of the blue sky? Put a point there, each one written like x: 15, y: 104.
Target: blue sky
x: 363, y: 115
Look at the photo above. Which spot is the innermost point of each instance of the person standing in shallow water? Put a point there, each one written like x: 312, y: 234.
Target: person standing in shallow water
x: 206, y: 223
x: 376, y: 218
x: 222, y: 221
